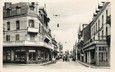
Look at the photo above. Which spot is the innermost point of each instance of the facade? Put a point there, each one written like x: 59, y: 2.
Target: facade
x: 55, y: 45
x: 94, y: 40
x: 26, y: 34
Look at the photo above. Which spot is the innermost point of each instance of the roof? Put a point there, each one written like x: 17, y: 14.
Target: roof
x: 100, y: 12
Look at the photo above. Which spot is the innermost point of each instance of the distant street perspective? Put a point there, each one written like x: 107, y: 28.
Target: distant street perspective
x: 57, y: 35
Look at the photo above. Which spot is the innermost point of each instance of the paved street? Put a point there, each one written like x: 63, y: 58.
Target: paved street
x: 58, y: 65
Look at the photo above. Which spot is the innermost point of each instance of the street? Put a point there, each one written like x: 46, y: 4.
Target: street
x: 58, y: 65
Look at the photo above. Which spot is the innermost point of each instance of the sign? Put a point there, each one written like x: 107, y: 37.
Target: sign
x: 32, y: 51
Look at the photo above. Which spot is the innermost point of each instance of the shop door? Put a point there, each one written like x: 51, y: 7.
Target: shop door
x: 32, y: 57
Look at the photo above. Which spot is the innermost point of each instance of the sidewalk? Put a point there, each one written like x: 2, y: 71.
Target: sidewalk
x: 15, y: 64
x: 93, y: 66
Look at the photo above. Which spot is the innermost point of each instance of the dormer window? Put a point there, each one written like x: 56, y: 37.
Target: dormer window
x: 32, y: 6
x: 18, y: 10
x: 8, y: 11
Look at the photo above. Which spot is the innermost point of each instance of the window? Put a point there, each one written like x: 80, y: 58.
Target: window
x: 17, y: 25
x: 32, y: 8
x: 106, y: 14
x: 18, y: 10
x: 7, y: 37
x: 99, y: 36
x: 32, y: 37
x: 102, y: 20
x: 39, y: 26
x: 94, y: 30
x: 8, y: 12
x: 98, y: 24
x: 102, y: 54
x: 8, y: 55
x: 8, y: 25
x: 17, y: 37
x: 31, y: 23
x: 106, y: 31
x: 102, y: 34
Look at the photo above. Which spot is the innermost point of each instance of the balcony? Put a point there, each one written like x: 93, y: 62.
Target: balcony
x: 27, y: 43
x: 33, y: 30
x: 95, y: 42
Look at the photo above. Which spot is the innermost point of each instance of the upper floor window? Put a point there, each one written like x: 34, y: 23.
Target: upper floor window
x: 31, y: 23
x: 96, y: 27
x: 99, y: 36
x: 106, y: 13
x: 8, y: 11
x: 17, y: 25
x: 17, y: 37
x: 7, y: 37
x: 8, y: 25
x: 98, y: 24
x: 102, y: 20
x: 32, y: 37
x: 106, y: 31
x: 32, y: 7
x: 18, y: 10
x: 102, y: 35
x: 94, y: 30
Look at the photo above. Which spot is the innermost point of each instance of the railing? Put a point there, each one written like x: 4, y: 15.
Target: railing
x: 27, y: 43
x: 33, y: 30
x: 102, y: 42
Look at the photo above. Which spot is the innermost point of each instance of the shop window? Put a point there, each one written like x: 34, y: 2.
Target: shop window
x: 19, y: 55
x: 31, y: 23
x: 8, y: 25
x: 17, y: 25
x: 8, y: 55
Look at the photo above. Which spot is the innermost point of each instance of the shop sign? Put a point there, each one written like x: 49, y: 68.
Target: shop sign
x: 32, y: 51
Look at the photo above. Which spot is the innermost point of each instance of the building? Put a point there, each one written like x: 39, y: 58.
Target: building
x: 94, y: 40
x: 55, y: 45
x: 26, y: 34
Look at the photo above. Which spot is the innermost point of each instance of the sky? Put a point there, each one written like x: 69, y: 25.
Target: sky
x: 72, y: 13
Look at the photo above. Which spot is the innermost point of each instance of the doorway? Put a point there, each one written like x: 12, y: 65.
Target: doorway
x: 32, y: 57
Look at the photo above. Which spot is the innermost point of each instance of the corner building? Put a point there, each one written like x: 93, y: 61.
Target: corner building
x: 26, y: 34
x: 96, y: 49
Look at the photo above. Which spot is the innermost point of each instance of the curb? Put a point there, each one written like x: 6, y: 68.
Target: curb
x: 91, y: 66
x: 45, y: 63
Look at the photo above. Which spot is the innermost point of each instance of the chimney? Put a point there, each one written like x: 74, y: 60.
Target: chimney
x: 7, y: 4
x: 33, y: 3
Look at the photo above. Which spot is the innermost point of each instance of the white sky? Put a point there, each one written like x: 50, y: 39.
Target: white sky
x: 72, y: 13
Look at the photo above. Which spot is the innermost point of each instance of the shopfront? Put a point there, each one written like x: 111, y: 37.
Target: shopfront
x: 26, y: 55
